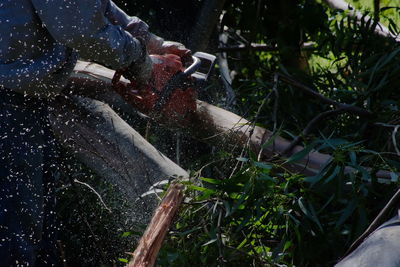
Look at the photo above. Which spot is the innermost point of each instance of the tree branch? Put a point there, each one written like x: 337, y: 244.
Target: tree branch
x: 310, y: 126
x: 349, y: 108
x: 260, y: 47
x: 146, y: 252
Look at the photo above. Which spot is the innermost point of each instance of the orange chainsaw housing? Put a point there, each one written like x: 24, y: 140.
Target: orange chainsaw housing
x: 180, y: 103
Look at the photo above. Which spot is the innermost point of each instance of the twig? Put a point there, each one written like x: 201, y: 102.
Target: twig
x: 310, y: 126
x: 251, y: 131
x: 259, y: 47
x: 394, y: 139
x: 380, y: 218
x: 219, y: 241
x: 274, y: 116
x: 94, y: 191
x: 376, y: 11
x: 178, y: 148
x: 309, y: 91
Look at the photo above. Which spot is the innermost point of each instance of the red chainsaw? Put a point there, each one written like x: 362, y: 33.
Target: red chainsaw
x: 172, y: 90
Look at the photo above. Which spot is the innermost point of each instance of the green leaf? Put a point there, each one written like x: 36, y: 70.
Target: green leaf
x: 209, y: 242
x: 210, y: 180
x: 227, y: 206
x: 333, y: 175
x: 301, y: 154
x: 123, y: 260
x: 201, y: 189
x: 263, y: 165
x: 242, y: 159
x: 265, y: 177
x: 125, y: 234
x: 394, y: 177
x: 287, y: 245
x: 309, y: 212
x: 353, y: 157
x: 347, y: 212
x: 271, y: 140
x: 364, y: 172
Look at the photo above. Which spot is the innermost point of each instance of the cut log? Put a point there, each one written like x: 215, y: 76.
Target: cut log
x: 116, y: 152
x: 209, y: 124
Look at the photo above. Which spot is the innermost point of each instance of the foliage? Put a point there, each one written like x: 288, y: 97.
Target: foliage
x: 264, y: 215
x: 247, y: 212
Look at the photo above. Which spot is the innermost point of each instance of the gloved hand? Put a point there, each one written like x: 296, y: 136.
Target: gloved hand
x: 140, y: 70
x: 157, y: 46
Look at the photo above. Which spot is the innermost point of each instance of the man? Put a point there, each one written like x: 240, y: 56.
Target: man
x: 40, y: 41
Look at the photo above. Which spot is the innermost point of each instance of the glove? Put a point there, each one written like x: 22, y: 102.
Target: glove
x: 157, y: 46
x: 140, y: 70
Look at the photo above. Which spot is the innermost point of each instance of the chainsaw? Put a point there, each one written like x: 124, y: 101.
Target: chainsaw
x: 172, y: 91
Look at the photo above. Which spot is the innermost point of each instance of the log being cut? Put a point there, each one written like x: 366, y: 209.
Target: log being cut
x: 117, y: 153
x: 209, y: 124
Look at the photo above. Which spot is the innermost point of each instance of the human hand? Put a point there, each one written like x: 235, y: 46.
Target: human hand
x: 140, y: 70
x: 157, y: 46
x: 141, y: 73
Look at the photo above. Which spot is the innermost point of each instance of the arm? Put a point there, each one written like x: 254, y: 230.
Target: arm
x: 138, y: 28
x: 117, y: 16
x: 133, y: 25
x: 83, y: 26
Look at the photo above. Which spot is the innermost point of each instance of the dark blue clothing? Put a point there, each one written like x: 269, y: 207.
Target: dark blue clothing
x: 41, y: 37
x: 28, y: 167
x: 40, y: 41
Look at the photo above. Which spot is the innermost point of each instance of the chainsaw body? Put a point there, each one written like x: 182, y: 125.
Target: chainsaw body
x: 172, y: 90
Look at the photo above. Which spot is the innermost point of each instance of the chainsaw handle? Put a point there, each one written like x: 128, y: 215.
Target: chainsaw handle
x: 193, y: 67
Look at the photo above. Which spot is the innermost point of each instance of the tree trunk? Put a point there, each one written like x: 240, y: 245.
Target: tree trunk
x: 209, y: 124
x: 116, y: 152
x: 205, y: 25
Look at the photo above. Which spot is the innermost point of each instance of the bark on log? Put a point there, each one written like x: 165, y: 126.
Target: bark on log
x: 209, y: 124
x: 115, y: 151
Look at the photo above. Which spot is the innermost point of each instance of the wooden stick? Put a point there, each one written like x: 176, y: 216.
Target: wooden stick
x: 146, y: 252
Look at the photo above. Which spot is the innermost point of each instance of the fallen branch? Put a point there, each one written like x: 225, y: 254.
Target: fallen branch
x: 217, y: 126
x: 260, y: 47
x: 310, y: 126
x: 315, y: 94
x: 146, y: 252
